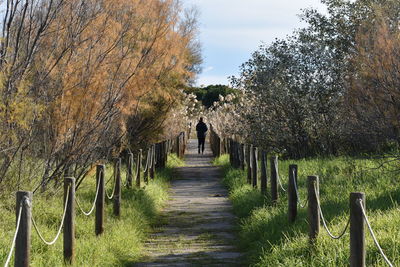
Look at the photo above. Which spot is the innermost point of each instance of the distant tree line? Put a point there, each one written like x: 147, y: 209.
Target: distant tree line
x: 330, y: 88
x: 210, y: 94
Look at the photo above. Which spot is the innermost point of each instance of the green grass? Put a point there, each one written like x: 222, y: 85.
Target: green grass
x: 267, y: 237
x: 122, y: 241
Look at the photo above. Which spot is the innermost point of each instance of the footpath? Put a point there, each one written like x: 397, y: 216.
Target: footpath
x: 197, y: 225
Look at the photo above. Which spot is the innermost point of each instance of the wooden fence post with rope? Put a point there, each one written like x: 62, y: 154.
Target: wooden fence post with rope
x: 139, y: 167
x: 69, y: 223
x: 23, y: 221
x: 313, y: 211
x: 129, y: 173
x: 263, y: 172
x: 153, y: 161
x: 254, y: 167
x: 242, y: 158
x: 292, y: 194
x: 99, y: 216
x: 248, y: 162
x: 117, y: 191
x: 274, y: 179
x: 357, y: 230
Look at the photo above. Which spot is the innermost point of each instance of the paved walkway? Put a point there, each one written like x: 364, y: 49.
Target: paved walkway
x: 198, y: 224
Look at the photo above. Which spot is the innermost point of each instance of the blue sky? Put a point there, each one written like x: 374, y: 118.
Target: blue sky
x: 230, y: 30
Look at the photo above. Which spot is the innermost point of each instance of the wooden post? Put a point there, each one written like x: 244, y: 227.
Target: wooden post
x: 263, y: 172
x: 248, y: 161
x: 178, y: 147
x: 313, y: 211
x: 156, y: 156
x: 254, y: 166
x: 357, y: 231
x: 292, y: 196
x: 237, y: 154
x: 139, y: 167
x: 99, y: 220
x: 69, y: 221
x: 129, y: 172
x: 23, y: 241
x: 164, y: 154
x: 274, y: 179
x: 147, y: 170
x: 153, y: 161
x: 231, y: 153
x: 117, y: 190
x: 242, y: 159
x: 184, y: 143
x: 218, y: 146
x: 159, y: 153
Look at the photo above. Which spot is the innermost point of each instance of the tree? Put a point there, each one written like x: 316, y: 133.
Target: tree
x: 301, y: 85
x: 211, y: 93
x: 84, y: 80
x: 373, y: 98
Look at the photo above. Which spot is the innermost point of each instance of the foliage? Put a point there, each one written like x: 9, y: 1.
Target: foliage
x: 328, y: 88
x: 268, y: 239
x: 82, y: 81
x: 374, y: 93
x: 211, y: 93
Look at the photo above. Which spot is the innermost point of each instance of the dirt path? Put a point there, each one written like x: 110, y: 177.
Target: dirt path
x: 198, y: 224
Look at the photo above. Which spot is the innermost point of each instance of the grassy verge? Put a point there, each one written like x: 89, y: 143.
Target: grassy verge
x: 122, y: 241
x: 269, y: 240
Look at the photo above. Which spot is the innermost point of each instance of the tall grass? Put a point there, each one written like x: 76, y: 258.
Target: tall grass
x: 123, y: 238
x: 270, y: 240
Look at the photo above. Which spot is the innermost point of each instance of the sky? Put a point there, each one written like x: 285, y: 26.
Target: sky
x: 230, y: 30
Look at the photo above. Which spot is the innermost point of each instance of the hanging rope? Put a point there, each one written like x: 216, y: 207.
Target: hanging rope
x: 23, y: 201
x: 94, y: 202
x: 113, y: 190
x: 297, y: 192
x: 137, y: 167
x: 49, y: 243
x: 277, y: 176
x: 147, y: 161
x: 373, y: 234
x: 324, y: 222
x: 131, y: 167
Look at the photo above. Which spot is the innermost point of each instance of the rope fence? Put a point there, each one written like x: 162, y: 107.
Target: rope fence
x: 324, y: 221
x: 157, y: 157
x: 49, y: 243
x: 15, y: 234
x: 298, y: 194
x: 360, y: 203
x: 244, y: 155
x: 88, y: 213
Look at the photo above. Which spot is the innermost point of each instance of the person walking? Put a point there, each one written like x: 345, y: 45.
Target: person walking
x: 201, y: 129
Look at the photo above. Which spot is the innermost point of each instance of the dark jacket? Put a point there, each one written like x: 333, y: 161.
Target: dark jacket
x: 201, y: 129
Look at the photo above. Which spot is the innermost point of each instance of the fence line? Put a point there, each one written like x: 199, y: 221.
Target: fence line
x: 357, y: 243
x: 157, y: 155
